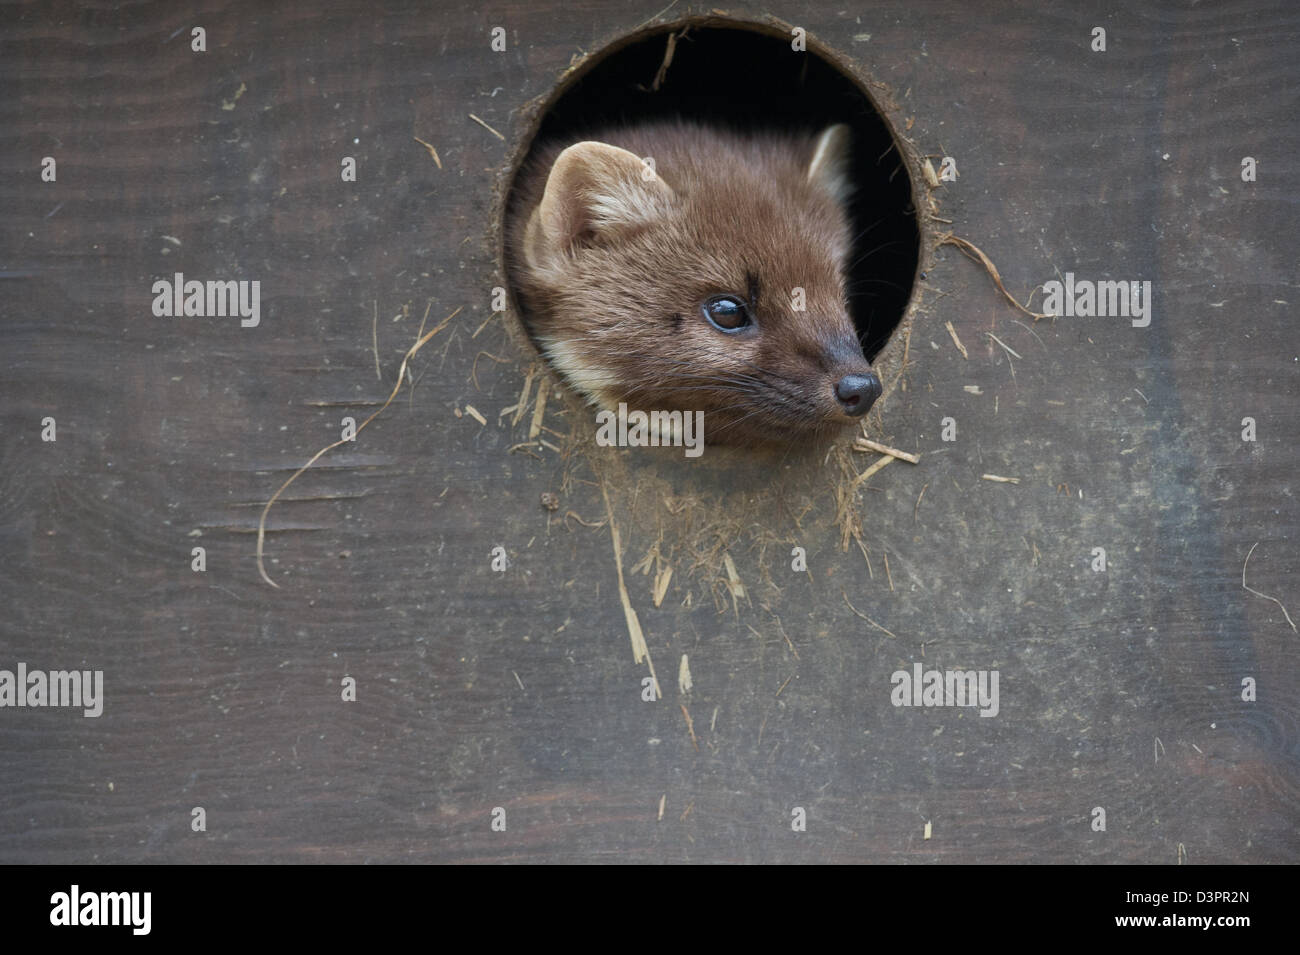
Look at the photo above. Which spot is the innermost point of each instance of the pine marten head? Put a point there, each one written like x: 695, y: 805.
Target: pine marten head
x: 676, y: 267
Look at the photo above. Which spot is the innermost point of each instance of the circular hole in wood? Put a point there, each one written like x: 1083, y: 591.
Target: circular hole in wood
x: 746, y: 77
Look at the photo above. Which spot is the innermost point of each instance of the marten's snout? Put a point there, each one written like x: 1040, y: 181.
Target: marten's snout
x: 857, y: 393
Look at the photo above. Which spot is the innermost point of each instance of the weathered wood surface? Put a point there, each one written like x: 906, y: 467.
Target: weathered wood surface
x: 477, y: 690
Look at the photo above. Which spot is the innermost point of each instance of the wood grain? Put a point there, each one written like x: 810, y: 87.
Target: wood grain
x: 225, y: 694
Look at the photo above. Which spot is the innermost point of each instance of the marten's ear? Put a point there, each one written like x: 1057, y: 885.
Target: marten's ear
x: 593, y: 190
x: 829, y: 168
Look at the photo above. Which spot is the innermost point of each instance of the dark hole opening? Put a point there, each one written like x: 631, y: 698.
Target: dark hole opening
x: 746, y: 79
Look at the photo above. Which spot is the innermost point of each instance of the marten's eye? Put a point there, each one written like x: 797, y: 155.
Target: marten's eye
x: 726, y: 313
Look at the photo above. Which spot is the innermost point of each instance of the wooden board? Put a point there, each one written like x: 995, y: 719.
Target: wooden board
x: 475, y: 689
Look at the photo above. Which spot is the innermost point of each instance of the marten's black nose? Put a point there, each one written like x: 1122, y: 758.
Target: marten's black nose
x: 857, y: 393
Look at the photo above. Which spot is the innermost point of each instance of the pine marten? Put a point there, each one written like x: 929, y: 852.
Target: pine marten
x: 672, y: 265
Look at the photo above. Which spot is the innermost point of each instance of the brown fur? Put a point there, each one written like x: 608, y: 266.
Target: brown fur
x: 616, y: 305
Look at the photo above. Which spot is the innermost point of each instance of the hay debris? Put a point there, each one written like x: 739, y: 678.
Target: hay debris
x: 957, y: 341
x: 885, y: 459
x: 671, y: 48
x: 660, y: 589
x: 866, y: 555
x: 374, y: 341
x: 432, y: 152
x: 931, y: 178
x: 585, y: 523
x: 866, y: 444
x: 1257, y: 593
x: 526, y: 447
x: 401, y: 374
x: 974, y: 253
x: 1031, y: 331
x: 535, y: 426
x: 522, y: 406
x: 1007, y: 348
x: 781, y: 627
x: 487, y: 127
x: 473, y: 369
x: 734, y: 584
x: 639, y: 649
x: 690, y: 726
x: 865, y: 617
